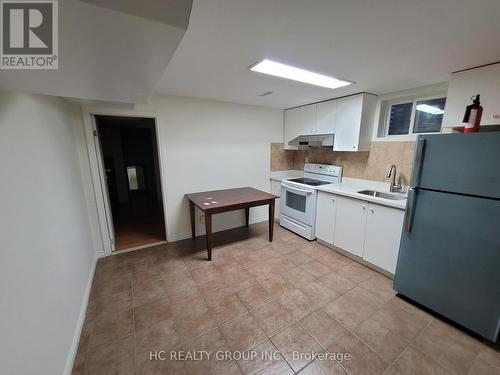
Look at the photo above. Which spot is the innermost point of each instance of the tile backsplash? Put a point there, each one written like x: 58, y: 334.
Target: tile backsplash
x: 370, y: 165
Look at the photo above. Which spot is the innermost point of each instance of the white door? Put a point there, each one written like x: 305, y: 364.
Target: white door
x: 383, y: 235
x: 350, y: 225
x: 325, y: 217
x: 298, y: 121
x: 348, y: 123
x: 325, y: 117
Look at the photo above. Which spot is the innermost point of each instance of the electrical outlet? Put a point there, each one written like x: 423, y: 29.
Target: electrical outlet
x: 202, y: 219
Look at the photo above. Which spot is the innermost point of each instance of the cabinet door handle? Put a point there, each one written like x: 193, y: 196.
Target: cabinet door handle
x: 372, y: 210
x: 364, y: 207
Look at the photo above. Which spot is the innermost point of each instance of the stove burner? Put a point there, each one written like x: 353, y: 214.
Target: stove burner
x: 309, y: 181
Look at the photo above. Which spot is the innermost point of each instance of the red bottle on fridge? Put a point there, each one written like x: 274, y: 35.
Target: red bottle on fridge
x: 472, y: 116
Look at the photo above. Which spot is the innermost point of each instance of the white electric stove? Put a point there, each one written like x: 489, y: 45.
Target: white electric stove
x: 298, y: 198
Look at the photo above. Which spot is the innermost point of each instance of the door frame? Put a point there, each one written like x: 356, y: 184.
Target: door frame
x: 98, y: 175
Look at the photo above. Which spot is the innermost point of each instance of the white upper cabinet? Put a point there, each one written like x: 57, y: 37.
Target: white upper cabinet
x: 383, y: 236
x: 325, y: 117
x: 298, y: 121
x: 484, y: 81
x: 349, y: 123
x: 354, y: 123
x: 350, y: 119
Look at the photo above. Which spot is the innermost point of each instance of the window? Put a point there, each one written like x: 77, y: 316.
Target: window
x: 429, y: 115
x: 399, y: 118
x: 413, y: 116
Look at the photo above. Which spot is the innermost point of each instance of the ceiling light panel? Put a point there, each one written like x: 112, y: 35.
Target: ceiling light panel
x: 296, y: 74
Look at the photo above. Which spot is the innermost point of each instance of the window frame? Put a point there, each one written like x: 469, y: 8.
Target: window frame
x: 414, y: 101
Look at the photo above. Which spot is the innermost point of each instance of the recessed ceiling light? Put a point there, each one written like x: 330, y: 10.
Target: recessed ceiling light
x: 290, y: 72
x: 429, y: 109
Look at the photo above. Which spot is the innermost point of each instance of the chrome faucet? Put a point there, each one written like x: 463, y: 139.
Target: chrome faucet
x: 392, y: 175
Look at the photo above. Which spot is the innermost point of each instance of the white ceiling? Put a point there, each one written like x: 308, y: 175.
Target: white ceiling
x: 170, y: 12
x: 382, y: 45
x: 115, y: 55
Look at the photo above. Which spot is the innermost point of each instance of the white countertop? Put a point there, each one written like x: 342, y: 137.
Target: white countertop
x: 349, y: 187
x: 282, y: 175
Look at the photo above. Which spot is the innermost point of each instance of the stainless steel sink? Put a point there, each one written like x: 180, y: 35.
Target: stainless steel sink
x: 381, y: 194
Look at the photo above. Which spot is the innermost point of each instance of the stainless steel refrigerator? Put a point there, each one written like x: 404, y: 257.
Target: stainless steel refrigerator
x: 449, y: 259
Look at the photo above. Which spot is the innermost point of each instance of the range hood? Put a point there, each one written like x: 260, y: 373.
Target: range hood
x: 312, y: 140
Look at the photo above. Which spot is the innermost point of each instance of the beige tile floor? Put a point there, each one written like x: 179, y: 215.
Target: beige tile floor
x: 288, y: 296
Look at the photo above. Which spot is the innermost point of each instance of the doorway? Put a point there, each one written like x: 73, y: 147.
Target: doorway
x: 132, y: 174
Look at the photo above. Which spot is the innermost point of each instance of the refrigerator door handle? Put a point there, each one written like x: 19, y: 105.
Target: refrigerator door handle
x: 410, y: 204
x: 417, y: 164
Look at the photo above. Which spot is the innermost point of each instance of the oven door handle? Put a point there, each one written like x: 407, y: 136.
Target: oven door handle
x: 297, y: 190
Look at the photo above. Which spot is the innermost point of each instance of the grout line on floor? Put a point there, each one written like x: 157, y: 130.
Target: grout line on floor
x: 396, y: 359
x: 134, y: 338
x: 359, y: 338
x: 322, y: 346
x: 436, y: 359
x: 100, y: 346
x: 416, y: 347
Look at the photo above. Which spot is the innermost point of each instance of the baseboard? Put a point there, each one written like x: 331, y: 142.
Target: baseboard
x: 81, y: 319
x: 184, y: 236
x: 140, y: 247
x: 356, y: 258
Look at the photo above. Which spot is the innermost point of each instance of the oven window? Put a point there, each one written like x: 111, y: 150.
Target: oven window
x: 296, y: 201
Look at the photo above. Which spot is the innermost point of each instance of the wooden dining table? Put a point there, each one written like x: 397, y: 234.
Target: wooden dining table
x: 218, y: 201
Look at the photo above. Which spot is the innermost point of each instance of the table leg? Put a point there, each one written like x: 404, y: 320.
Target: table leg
x: 208, y: 229
x: 247, y: 216
x: 191, y: 214
x: 271, y: 220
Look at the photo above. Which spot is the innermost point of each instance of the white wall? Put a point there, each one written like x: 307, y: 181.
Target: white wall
x: 47, y: 250
x: 208, y: 145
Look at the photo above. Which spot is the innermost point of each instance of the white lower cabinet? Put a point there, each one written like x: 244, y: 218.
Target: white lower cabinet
x: 383, y: 236
x: 276, y: 190
x: 367, y: 230
x: 277, y: 208
x: 325, y: 217
x: 350, y: 225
